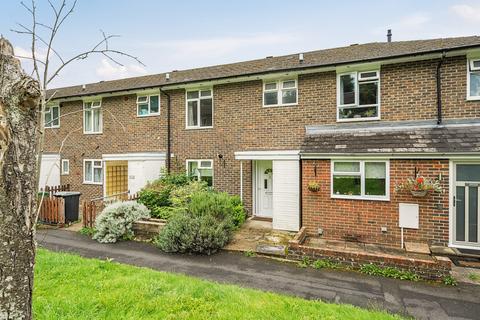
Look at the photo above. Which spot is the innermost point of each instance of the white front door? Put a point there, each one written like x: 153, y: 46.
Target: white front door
x: 264, y: 184
x: 466, y: 206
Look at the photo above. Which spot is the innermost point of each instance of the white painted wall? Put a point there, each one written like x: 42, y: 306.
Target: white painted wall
x: 140, y: 172
x: 49, y: 170
x: 286, y: 195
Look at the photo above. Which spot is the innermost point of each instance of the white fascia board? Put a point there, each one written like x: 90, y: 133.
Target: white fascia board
x: 453, y: 156
x: 51, y: 156
x: 135, y: 156
x: 268, y: 155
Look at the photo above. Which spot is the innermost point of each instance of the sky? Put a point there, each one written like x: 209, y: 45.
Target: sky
x: 177, y: 35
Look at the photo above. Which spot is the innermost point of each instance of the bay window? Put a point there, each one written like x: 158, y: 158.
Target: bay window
x: 199, y: 109
x: 92, y: 171
x: 201, y: 170
x: 358, y: 96
x: 92, y: 117
x: 52, y: 117
x: 473, y: 90
x: 280, y: 93
x: 360, y: 179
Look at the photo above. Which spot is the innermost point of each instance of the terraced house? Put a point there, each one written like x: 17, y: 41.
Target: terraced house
x: 353, y: 122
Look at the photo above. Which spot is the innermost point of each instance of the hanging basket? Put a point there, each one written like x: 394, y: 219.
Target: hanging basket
x: 313, y: 186
x: 419, y: 193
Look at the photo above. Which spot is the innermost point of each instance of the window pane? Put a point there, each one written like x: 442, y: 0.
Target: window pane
x: 207, y: 176
x: 55, y: 116
x: 472, y: 214
x: 88, y: 171
x: 97, y: 163
x: 143, y: 109
x: 154, y: 104
x: 289, y: 96
x: 205, y: 112
x: 347, y: 89
x: 96, y: 104
x: 476, y: 64
x: 346, y: 167
x: 192, y: 113
x: 192, y: 168
x: 206, y: 93
x: 96, y: 120
x: 375, y: 178
x: 346, y: 185
x: 65, y: 167
x: 48, y: 118
x: 289, y: 84
x: 352, y: 113
x: 460, y: 214
x: 271, y: 86
x: 271, y: 98
x: 88, y: 120
x: 192, y: 94
x: 468, y: 172
x: 368, y: 74
x: 368, y: 93
x: 475, y: 84
x: 142, y: 99
x: 206, y: 164
x: 97, y: 175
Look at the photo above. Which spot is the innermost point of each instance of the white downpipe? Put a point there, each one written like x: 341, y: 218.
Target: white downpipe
x: 401, y: 237
x: 241, y: 180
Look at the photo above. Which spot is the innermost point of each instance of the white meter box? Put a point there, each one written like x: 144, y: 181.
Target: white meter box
x: 408, y: 215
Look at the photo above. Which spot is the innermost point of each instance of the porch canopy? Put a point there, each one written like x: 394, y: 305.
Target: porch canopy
x: 396, y: 139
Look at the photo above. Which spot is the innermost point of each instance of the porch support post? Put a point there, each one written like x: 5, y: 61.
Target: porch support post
x: 241, y: 180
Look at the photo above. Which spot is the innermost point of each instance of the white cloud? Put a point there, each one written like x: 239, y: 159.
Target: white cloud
x: 467, y: 12
x: 108, y: 70
x: 217, y: 47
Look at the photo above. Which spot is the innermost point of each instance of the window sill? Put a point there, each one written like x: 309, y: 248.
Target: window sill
x: 473, y: 98
x: 93, y: 183
x: 198, y: 128
x: 280, y: 105
x: 345, y: 197
x: 358, y: 119
x: 92, y: 133
x: 64, y: 174
x: 56, y: 127
x: 148, y: 115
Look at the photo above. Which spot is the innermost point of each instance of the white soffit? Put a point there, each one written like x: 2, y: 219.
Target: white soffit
x: 268, y: 155
x: 135, y: 156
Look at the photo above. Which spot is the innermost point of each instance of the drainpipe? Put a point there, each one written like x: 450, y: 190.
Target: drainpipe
x: 301, y: 194
x: 439, y: 89
x: 169, y: 143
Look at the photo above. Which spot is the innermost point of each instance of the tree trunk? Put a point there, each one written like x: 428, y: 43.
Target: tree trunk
x: 19, y: 117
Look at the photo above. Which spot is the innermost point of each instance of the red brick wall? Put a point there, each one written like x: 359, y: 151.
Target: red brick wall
x: 339, y: 217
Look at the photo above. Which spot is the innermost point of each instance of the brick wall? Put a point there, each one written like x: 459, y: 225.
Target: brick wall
x: 364, y: 218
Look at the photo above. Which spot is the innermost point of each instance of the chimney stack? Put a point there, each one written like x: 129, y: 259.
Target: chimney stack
x: 389, y: 35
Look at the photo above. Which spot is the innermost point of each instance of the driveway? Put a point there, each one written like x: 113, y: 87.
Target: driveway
x: 419, y: 300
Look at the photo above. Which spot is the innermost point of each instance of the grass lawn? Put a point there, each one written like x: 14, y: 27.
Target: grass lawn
x: 71, y: 287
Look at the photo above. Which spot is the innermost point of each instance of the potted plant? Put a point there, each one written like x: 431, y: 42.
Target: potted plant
x: 313, y: 186
x: 420, y: 186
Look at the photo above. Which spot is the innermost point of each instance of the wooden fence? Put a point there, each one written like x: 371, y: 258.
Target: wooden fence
x: 52, y: 211
x: 90, y: 209
x: 51, y: 190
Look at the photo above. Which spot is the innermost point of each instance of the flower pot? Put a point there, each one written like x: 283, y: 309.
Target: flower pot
x: 313, y: 187
x: 419, y: 193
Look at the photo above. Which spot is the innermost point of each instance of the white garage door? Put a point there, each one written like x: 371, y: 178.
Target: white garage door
x: 49, y: 170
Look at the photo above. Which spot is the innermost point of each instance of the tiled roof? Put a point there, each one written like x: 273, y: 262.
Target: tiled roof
x: 462, y: 136
x: 319, y: 58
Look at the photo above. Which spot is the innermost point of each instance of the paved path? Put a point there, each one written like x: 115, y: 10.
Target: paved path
x: 419, y: 300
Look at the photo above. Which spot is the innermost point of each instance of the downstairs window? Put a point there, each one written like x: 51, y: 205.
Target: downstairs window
x: 201, y: 170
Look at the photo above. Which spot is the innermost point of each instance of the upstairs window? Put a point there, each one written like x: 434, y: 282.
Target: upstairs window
x: 358, y: 96
x: 280, y: 93
x: 201, y: 170
x: 199, y: 109
x: 474, y: 79
x: 92, y: 171
x: 360, y: 180
x: 148, y: 105
x: 92, y: 117
x: 52, y: 117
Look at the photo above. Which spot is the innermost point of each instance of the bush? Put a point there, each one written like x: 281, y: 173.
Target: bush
x: 180, y: 196
x: 204, y: 226
x: 239, y: 214
x: 116, y: 220
x: 163, y: 212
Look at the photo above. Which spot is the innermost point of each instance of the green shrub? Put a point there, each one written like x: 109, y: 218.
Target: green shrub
x: 239, y: 214
x: 163, y: 212
x: 305, y: 263
x: 389, y: 272
x: 204, y: 226
x: 181, y: 195
x: 320, y: 264
x: 449, y: 281
x: 116, y: 220
x: 87, y: 231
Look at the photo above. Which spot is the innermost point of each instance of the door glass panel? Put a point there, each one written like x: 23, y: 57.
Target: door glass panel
x: 468, y: 172
x: 472, y: 214
x: 460, y: 214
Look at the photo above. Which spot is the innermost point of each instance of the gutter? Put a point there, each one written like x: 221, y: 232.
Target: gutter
x: 291, y: 69
x: 169, y: 142
x: 439, y: 89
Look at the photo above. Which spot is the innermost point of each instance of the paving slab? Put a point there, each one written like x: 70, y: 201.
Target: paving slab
x: 415, y: 247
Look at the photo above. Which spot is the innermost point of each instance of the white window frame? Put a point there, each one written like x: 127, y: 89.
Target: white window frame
x: 149, y: 114
x: 279, y: 89
x: 48, y: 109
x: 63, y: 171
x: 356, y: 105
x: 199, y: 90
x: 93, y: 171
x: 471, y: 69
x: 89, y: 106
x: 361, y: 174
x: 199, y: 161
